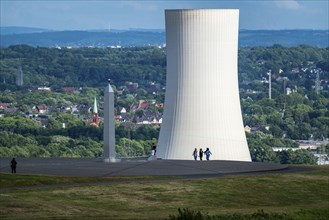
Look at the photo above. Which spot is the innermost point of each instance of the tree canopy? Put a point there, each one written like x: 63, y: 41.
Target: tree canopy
x: 298, y: 110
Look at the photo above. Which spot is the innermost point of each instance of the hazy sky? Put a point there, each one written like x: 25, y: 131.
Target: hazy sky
x: 94, y: 14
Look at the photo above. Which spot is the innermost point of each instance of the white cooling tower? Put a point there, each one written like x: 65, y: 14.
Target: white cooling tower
x: 202, y: 105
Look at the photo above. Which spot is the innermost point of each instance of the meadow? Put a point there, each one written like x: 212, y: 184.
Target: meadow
x: 299, y: 195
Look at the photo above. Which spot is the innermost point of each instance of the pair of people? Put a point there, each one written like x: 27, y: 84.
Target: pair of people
x: 206, y: 152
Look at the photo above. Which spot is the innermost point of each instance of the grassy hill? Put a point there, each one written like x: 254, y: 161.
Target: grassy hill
x: 302, y: 195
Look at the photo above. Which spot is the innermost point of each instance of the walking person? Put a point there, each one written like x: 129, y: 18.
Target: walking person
x: 207, y: 153
x: 200, y: 153
x: 195, y: 154
x: 13, y: 164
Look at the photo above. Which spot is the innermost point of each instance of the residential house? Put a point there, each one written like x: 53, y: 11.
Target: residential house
x: 44, y: 88
x: 70, y: 90
x: 131, y: 86
x: 122, y: 110
x: 4, y: 105
x: 247, y: 129
x: 42, y: 109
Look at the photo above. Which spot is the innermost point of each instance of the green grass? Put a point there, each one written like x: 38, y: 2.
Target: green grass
x: 24, y: 180
x: 294, y: 195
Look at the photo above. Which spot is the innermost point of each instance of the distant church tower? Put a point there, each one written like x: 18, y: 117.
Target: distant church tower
x: 19, y: 76
x: 95, y: 119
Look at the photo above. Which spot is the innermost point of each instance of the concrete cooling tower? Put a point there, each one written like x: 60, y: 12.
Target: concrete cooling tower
x: 202, y: 105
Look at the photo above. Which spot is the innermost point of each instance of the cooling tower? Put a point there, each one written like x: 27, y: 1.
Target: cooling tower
x: 202, y: 105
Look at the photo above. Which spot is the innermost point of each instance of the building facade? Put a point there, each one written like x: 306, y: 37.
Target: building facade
x: 202, y: 104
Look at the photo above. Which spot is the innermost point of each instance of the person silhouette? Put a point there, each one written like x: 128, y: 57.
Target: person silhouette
x: 13, y: 164
x: 153, y: 152
x: 207, y: 153
x: 195, y: 154
x: 200, y: 153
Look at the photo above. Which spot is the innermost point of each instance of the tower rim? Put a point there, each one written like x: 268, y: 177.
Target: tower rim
x: 203, y: 9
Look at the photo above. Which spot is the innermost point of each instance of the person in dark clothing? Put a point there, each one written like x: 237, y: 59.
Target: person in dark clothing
x: 13, y: 164
x: 195, y: 154
x: 200, y: 153
x: 154, y: 150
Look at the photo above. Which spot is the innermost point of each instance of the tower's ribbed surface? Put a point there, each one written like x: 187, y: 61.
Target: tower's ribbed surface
x: 202, y: 106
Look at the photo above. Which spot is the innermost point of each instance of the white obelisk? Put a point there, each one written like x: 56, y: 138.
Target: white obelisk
x: 109, y: 129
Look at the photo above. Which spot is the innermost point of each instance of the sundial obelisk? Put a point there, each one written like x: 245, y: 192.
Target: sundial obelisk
x: 109, y: 153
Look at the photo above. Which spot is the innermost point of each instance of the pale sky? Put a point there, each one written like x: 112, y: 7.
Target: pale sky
x: 115, y: 14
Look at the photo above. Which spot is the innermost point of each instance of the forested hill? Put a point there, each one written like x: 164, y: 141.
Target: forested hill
x: 288, y: 38
x: 247, y: 38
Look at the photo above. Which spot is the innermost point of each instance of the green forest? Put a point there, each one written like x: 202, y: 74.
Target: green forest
x: 297, y: 110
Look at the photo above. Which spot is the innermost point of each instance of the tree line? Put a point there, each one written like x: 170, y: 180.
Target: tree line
x: 303, y: 114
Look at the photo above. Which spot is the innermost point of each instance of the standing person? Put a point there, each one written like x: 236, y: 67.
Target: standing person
x: 200, y: 153
x: 195, y: 154
x: 207, y: 153
x: 13, y: 164
x: 154, y: 150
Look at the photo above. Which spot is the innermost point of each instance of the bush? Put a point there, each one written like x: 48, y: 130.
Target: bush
x: 186, y: 214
